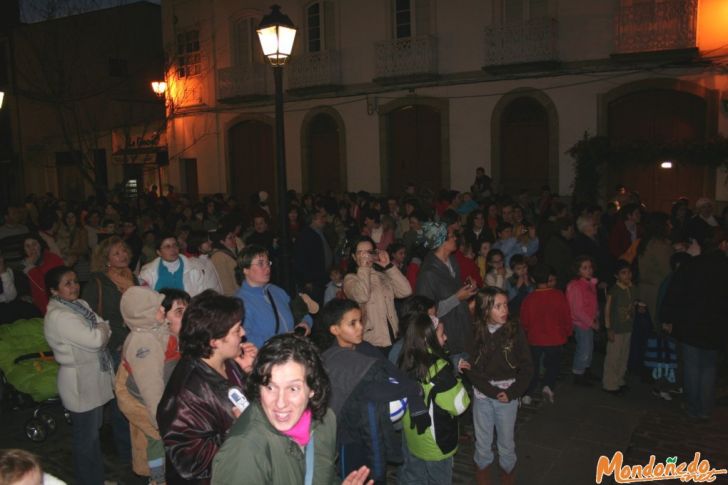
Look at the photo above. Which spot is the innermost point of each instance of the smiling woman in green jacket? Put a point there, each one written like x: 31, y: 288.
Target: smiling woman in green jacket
x: 287, y: 435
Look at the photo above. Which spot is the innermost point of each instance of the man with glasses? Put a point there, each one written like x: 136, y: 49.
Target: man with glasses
x: 172, y: 269
x: 267, y: 306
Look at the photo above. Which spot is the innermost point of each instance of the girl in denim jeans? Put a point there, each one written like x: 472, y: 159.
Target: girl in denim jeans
x: 501, y: 370
x: 581, y: 293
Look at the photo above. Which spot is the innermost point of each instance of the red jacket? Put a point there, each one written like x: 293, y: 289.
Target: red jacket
x: 468, y: 267
x: 37, y: 279
x: 546, y: 317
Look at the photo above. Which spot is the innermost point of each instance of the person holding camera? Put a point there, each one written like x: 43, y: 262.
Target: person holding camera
x: 374, y: 282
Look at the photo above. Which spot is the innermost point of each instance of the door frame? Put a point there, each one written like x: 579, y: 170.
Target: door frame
x: 552, y: 116
x: 442, y: 106
x: 305, y: 157
x: 712, y: 109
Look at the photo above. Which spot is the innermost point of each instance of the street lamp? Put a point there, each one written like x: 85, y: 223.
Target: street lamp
x: 159, y: 87
x: 2, y: 97
x: 276, y: 33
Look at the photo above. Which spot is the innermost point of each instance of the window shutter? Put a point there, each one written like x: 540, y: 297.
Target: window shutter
x: 329, y: 34
x: 513, y: 12
x: 242, y: 46
x: 422, y: 17
x: 538, y: 9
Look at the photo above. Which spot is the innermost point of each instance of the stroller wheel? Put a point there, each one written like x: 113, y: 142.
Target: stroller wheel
x: 49, y: 421
x: 36, y: 430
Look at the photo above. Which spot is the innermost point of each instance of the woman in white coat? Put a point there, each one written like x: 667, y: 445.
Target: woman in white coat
x: 78, y: 337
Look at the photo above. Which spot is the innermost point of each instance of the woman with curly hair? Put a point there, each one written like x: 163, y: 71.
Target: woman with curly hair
x: 501, y: 370
x: 287, y: 435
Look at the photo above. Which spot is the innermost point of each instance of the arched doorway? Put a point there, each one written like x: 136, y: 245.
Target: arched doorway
x: 659, y: 116
x: 524, y: 146
x: 251, y: 160
x: 323, y: 154
x: 414, y: 149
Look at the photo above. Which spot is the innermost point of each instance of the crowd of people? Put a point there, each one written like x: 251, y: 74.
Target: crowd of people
x: 404, y: 314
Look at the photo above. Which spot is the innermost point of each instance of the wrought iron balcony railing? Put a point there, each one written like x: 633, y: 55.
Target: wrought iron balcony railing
x: 242, y: 81
x: 534, y: 40
x: 315, y: 69
x: 406, y: 57
x: 656, y: 25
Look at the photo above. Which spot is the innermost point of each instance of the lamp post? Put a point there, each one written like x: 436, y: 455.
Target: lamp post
x: 276, y: 33
x: 2, y: 97
x: 159, y: 87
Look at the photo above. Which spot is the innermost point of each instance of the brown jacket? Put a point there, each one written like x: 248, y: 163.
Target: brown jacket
x: 500, y: 358
x: 375, y: 291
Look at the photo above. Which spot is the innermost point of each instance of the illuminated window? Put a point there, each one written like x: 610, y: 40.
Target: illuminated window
x: 188, y: 53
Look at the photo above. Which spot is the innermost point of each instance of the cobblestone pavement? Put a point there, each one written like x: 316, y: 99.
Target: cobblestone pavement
x: 556, y: 443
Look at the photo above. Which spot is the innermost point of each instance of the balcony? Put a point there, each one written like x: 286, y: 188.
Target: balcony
x: 653, y: 26
x: 413, y: 58
x: 314, y: 71
x: 239, y: 83
x: 533, y: 41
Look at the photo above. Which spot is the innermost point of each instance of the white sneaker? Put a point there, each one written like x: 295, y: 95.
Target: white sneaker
x: 662, y: 395
x: 526, y: 400
x: 548, y: 394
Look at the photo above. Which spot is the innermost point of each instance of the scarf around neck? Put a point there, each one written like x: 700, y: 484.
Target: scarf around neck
x: 301, y: 431
x: 92, y: 321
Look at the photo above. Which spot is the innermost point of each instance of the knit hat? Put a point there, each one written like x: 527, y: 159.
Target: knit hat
x: 434, y: 234
x: 139, y: 306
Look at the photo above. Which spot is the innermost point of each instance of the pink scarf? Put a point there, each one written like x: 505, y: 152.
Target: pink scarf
x: 300, y: 432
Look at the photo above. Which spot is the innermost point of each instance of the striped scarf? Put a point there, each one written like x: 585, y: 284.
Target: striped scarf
x: 92, y: 320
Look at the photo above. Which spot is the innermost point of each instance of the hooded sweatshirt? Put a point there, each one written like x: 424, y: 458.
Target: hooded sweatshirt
x: 150, y: 351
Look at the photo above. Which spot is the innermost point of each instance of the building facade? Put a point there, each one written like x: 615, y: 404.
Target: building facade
x: 385, y: 92
x: 80, y: 113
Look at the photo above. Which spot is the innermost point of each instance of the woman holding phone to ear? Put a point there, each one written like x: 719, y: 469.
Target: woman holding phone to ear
x: 374, y: 282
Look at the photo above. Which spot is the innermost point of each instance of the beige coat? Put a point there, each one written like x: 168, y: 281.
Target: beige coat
x: 375, y: 291
x: 225, y: 266
x: 82, y: 384
x: 140, y: 426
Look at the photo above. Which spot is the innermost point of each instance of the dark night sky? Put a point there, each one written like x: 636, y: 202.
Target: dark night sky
x: 39, y: 10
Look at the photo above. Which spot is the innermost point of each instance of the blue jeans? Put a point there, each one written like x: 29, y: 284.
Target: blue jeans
x: 584, y: 350
x: 415, y: 471
x: 88, y: 462
x: 699, y: 367
x: 489, y: 413
x: 551, y: 364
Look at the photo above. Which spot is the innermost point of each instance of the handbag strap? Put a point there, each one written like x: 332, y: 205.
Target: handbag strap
x: 308, y: 480
x: 100, y: 301
x: 275, y: 310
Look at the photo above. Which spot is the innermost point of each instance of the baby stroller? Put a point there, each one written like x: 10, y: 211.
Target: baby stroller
x: 28, y: 376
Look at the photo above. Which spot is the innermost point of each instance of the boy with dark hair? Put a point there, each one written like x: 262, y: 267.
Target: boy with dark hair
x: 546, y: 319
x: 518, y: 285
x: 618, y: 319
x: 363, y: 383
